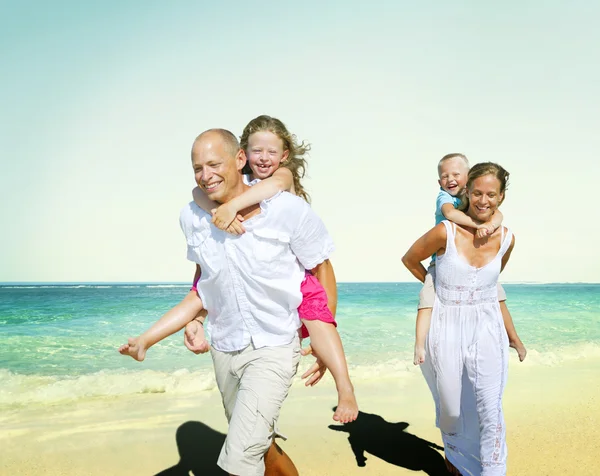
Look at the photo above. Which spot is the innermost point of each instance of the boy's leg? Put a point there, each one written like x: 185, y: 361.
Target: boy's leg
x: 425, y: 308
x: 513, y: 339
x: 326, y: 342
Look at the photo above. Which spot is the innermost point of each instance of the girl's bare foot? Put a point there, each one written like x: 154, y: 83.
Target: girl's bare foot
x: 419, y: 355
x: 347, y: 408
x: 520, y: 348
x: 134, y: 348
x: 451, y: 468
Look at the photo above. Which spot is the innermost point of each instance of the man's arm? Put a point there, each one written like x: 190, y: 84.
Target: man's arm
x: 325, y: 275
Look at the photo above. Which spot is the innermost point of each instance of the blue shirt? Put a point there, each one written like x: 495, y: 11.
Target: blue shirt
x: 443, y: 198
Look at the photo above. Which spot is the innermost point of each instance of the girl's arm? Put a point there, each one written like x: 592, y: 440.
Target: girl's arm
x: 281, y: 180
x: 203, y: 201
x: 434, y: 241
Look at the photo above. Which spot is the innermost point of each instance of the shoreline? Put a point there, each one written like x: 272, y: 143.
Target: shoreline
x: 552, y: 416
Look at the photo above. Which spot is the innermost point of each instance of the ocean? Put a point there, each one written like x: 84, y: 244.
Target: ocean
x: 59, y: 342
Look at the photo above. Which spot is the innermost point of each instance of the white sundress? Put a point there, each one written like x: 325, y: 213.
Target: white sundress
x: 466, y: 363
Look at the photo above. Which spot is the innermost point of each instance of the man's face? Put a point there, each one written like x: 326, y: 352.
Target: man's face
x: 216, y: 167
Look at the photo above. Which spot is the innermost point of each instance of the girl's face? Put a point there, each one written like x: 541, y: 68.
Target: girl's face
x: 265, y: 153
x: 484, y: 197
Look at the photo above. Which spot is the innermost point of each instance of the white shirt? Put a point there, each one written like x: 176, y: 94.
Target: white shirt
x: 250, y: 284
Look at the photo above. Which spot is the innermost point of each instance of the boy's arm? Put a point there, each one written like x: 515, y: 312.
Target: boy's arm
x: 458, y: 217
x: 281, y: 180
x: 431, y: 242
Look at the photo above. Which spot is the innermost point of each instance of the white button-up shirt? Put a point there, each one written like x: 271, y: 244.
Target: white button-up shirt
x: 250, y: 284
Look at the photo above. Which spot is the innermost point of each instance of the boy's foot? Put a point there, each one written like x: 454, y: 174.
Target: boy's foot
x: 347, y: 408
x: 451, y: 468
x: 520, y: 348
x: 419, y: 357
x: 133, y: 348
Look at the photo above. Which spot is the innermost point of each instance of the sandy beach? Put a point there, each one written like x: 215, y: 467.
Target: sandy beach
x: 552, y: 413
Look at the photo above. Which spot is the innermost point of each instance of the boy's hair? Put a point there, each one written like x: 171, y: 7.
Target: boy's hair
x: 295, y: 162
x: 453, y: 156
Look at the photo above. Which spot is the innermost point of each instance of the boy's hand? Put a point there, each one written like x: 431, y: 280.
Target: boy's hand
x: 485, y: 229
x: 194, y: 338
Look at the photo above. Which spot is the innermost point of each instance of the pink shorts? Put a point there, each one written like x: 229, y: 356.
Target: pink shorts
x: 314, y: 303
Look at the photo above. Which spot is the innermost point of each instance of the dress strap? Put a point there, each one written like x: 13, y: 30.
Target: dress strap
x: 506, y: 241
x: 450, y: 234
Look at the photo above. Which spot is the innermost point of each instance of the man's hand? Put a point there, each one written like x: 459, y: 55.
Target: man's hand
x: 194, y: 338
x: 226, y: 218
x: 316, y: 371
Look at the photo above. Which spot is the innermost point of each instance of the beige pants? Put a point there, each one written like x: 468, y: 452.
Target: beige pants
x: 427, y: 294
x: 253, y: 385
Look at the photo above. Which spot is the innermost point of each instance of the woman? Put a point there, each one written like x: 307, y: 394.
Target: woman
x: 466, y: 359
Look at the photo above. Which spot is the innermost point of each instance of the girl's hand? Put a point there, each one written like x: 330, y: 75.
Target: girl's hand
x: 223, y: 216
x: 221, y: 219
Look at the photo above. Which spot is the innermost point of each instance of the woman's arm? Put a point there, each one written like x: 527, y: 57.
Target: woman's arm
x: 506, y: 256
x: 434, y: 241
x: 281, y: 180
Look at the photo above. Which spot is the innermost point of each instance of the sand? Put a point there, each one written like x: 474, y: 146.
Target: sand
x: 552, y: 415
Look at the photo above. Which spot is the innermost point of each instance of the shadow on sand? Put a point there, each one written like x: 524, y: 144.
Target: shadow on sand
x: 199, y: 447
x: 390, y: 442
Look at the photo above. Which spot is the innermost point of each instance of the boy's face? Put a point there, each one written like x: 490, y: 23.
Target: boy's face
x: 453, y: 175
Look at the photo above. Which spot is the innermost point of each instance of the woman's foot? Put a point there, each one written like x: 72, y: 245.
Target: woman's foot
x: 520, y: 348
x: 347, y: 408
x: 134, y: 348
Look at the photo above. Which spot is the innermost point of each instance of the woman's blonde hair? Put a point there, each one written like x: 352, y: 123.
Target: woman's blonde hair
x: 295, y: 161
x: 481, y: 170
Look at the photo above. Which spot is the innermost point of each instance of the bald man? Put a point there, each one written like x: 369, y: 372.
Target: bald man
x: 250, y: 286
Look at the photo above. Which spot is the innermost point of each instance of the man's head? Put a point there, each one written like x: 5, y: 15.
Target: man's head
x: 452, y: 171
x: 217, y: 160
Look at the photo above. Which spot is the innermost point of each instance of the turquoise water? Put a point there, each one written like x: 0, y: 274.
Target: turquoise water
x: 59, y: 341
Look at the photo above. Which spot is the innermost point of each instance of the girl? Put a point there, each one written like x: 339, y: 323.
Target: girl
x: 275, y: 164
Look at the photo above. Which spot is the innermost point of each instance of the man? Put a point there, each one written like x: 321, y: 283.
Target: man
x: 250, y: 286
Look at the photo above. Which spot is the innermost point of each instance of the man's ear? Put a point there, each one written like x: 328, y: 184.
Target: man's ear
x: 240, y: 159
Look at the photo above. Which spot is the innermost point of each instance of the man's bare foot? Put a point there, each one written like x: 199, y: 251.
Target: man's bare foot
x: 520, y: 348
x: 419, y: 355
x: 451, y: 468
x: 134, y: 348
x: 347, y: 408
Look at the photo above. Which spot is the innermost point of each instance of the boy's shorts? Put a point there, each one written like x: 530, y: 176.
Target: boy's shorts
x: 427, y: 294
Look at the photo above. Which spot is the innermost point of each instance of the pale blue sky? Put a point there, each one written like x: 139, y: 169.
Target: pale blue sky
x: 101, y: 102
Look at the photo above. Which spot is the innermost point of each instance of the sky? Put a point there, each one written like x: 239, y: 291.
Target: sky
x: 101, y: 102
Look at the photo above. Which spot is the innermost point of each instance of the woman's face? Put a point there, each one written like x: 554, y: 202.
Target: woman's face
x: 484, y: 197
x: 265, y: 153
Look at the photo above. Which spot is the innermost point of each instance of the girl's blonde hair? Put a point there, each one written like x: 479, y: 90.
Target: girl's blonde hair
x: 295, y: 161
x: 481, y: 170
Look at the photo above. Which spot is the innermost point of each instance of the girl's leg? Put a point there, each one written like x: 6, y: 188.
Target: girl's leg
x: 172, y: 322
x: 326, y: 342
x: 422, y: 329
